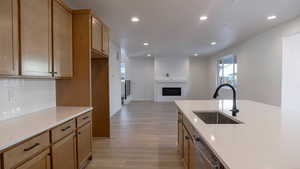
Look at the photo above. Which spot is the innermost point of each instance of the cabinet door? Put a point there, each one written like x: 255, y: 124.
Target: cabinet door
x: 84, y: 144
x: 64, y: 153
x: 35, y: 29
x: 96, y: 35
x: 41, y: 161
x: 186, y: 148
x: 180, y: 135
x: 62, y: 41
x: 105, y: 43
x: 9, y: 37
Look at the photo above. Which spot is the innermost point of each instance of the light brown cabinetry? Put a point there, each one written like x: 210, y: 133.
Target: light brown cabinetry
x: 62, y: 41
x: 105, y: 42
x: 63, y: 130
x: 100, y: 39
x: 84, y: 147
x: 83, y: 119
x: 96, y: 35
x: 41, y: 161
x: 64, y: 153
x: 186, y: 148
x: 180, y: 134
x: 9, y: 37
x: 25, y: 151
x: 36, y: 38
x: 196, y: 153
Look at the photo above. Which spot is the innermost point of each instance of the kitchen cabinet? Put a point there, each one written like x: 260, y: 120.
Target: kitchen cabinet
x: 36, y: 37
x: 186, y: 148
x: 9, y: 37
x: 26, y: 150
x: 62, y: 41
x: 196, y: 153
x: 64, y: 153
x: 41, y: 161
x: 84, y: 147
x: 96, y: 35
x: 180, y: 134
x: 105, y: 41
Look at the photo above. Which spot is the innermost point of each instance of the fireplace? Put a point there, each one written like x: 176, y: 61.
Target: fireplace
x: 171, y: 91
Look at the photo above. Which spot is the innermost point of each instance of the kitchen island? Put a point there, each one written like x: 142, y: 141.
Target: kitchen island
x: 266, y: 138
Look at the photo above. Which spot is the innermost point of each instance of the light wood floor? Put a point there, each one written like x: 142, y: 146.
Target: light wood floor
x: 144, y: 136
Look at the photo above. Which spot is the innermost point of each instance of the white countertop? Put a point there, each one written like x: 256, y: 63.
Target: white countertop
x: 268, y: 139
x: 21, y: 128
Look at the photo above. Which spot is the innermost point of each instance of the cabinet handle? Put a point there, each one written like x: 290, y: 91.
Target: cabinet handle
x: 85, y: 118
x: 32, y: 147
x: 187, y: 137
x: 79, y: 133
x: 64, y: 129
x: 198, y: 139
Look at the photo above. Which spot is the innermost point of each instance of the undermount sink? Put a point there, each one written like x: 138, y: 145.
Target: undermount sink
x: 216, y: 118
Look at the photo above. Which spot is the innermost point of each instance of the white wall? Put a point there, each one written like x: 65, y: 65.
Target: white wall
x: 22, y: 96
x: 177, y: 67
x: 290, y: 73
x: 259, y: 64
x: 141, y: 73
x: 114, y: 79
x: 198, y: 79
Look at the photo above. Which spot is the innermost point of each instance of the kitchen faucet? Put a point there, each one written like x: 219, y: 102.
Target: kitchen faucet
x: 234, y: 109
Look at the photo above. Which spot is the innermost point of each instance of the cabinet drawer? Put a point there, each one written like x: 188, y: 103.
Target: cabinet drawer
x: 25, y: 150
x: 81, y: 120
x: 63, y: 130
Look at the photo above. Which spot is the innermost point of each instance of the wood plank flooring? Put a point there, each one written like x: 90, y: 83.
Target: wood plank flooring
x: 143, y: 136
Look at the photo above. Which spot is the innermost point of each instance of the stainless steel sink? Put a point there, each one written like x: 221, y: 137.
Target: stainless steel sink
x: 216, y: 118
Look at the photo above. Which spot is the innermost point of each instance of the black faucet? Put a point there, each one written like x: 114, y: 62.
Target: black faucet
x: 234, y: 109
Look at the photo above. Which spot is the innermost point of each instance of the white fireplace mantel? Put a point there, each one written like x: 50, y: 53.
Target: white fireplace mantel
x: 169, y: 82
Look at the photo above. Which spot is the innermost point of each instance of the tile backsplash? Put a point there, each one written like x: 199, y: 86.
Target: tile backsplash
x: 23, y: 96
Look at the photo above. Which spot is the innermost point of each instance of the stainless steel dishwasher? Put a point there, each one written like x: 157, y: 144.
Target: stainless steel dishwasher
x: 202, y: 157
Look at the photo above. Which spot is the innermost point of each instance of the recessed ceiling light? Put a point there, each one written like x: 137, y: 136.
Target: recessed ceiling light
x: 135, y: 19
x: 203, y: 18
x: 195, y: 54
x: 146, y: 44
x: 213, y: 43
x: 272, y: 17
x: 149, y: 55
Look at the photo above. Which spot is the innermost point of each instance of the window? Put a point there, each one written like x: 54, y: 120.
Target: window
x: 123, y: 71
x: 227, y: 70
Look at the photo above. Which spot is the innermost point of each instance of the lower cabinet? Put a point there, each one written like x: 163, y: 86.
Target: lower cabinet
x: 66, y: 146
x: 64, y: 153
x: 84, y: 140
x: 196, y: 153
x: 186, y: 148
x: 41, y: 161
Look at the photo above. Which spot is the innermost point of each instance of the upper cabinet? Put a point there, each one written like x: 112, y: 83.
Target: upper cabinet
x: 105, y: 42
x: 9, y: 37
x: 96, y: 35
x: 100, y: 38
x: 36, y: 38
x: 62, y: 41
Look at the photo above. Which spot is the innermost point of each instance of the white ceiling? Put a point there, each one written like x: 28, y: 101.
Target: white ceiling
x: 173, y: 28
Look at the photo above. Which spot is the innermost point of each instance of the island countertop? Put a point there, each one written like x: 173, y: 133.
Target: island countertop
x: 16, y: 130
x: 269, y: 137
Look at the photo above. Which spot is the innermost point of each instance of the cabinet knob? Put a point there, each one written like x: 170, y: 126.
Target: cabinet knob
x: 197, y: 138
x: 187, y: 137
